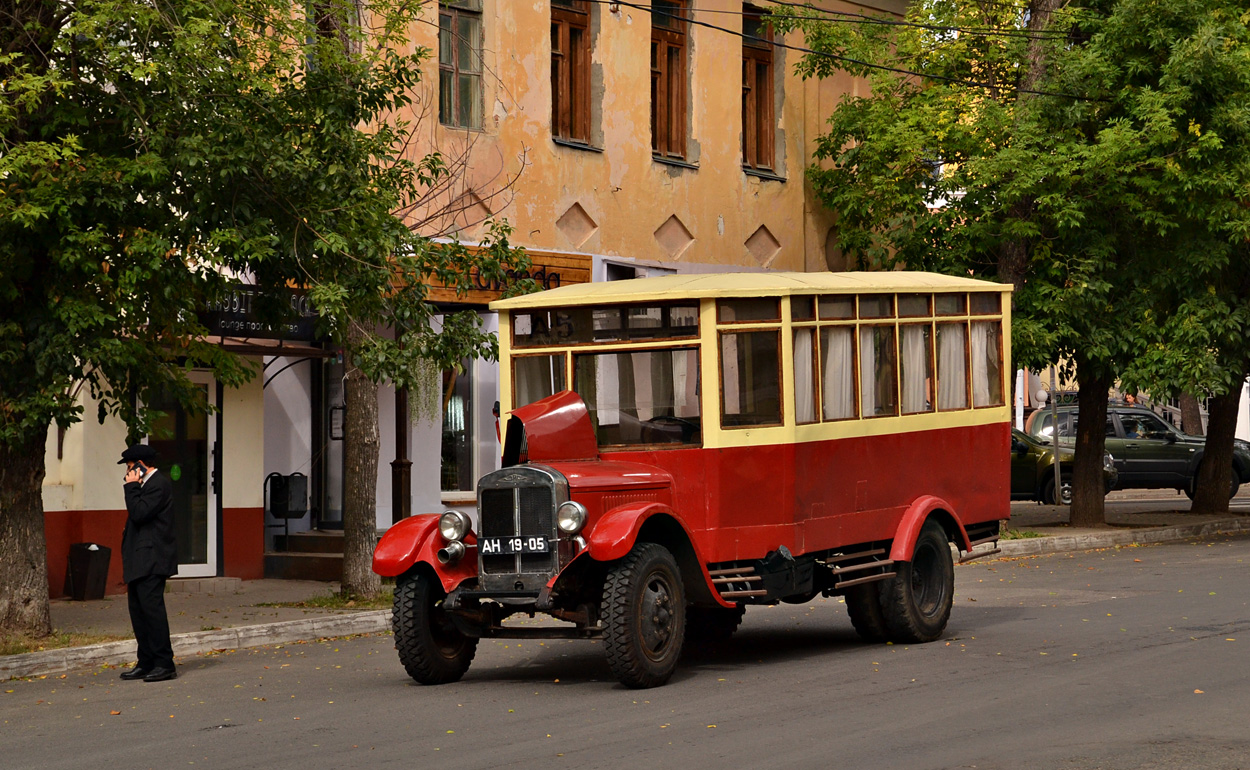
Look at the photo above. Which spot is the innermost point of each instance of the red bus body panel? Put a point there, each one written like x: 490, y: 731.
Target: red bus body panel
x: 743, y: 503
x: 415, y: 540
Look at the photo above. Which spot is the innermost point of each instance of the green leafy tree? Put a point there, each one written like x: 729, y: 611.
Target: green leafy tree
x: 151, y: 149
x: 1069, y: 167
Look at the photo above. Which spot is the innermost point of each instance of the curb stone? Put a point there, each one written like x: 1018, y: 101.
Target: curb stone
x: 1063, y: 543
x: 196, y: 643
x: 374, y: 621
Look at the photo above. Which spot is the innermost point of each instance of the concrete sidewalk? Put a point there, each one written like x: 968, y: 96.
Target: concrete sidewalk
x: 207, y: 614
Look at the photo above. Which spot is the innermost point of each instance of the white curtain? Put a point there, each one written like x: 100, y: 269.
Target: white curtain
x: 536, y: 377
x: 867, y: 372
x: 686, y: 383
x: 915, y: 369
x: 838, y: 382
x: 804, y: 386
x: 952, y: 367
x: 980, y: 375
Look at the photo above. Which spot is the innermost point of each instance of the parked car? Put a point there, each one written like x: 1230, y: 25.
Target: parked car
x: 1033, y: 470
x: 1149, y: 453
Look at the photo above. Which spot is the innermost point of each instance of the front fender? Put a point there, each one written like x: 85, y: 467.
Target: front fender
x: 416, y: 540
x: 915, y: 517
x: 615, y: 533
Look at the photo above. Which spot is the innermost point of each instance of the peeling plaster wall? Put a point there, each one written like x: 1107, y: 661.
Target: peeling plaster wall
x: 626, y: 193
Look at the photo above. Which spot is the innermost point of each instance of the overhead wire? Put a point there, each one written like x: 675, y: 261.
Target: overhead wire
x: 851, y: 60
x: 860, y: 18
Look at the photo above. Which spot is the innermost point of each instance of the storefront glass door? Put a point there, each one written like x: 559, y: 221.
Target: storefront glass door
x: 183, y: 444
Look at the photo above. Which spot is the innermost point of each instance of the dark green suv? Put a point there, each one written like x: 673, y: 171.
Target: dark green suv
x: 1033, y: 470
x: 1149, y: 453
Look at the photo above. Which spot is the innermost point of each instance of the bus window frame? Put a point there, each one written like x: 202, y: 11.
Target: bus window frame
x: 696, y: 334
x: 776, y: 327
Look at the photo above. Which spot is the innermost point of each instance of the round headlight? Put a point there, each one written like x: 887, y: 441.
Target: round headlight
x: 571, y: 517
x: 454, y: 525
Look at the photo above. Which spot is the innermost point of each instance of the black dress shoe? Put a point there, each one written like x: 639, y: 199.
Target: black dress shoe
x: 161, y: 674
x: 135, y: 673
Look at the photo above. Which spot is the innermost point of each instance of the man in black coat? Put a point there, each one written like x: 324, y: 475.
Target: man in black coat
x: 149, y: 558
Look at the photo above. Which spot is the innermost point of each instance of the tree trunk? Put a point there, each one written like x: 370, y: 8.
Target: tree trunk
x: 360, y: 477
x: 1013, y: 255
x: 23, y: 549
x: 1191, y: 415
x: 1214, y: 477
x: 1088, y: 486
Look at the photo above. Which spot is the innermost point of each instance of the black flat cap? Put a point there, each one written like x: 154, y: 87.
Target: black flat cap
x: 138, y: 453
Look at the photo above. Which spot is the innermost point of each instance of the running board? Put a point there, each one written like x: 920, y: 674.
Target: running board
x: 737, y: 582
x: 973, y: 556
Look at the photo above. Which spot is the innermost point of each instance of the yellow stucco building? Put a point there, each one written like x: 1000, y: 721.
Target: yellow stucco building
x: 673, y: 134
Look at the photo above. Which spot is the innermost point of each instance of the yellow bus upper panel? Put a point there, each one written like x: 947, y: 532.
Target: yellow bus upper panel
x: 704, y: 285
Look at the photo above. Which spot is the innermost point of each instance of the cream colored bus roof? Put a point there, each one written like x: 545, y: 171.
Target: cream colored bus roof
x: 699, y: 285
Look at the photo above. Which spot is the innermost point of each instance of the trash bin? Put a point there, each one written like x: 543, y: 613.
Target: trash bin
x: 87, y: 572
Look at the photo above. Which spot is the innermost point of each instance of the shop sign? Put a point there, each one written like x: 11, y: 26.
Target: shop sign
x: 235, y: 315
x: 548, y: 269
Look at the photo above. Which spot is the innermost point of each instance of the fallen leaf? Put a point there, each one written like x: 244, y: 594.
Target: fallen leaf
x: 1199, y: 692
x: 114, y: 713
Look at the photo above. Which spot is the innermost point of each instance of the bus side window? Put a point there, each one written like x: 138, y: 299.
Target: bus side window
x: 536, y: 377
x: 952, y: 365
x: 917, y: 366
x: 987, y: 363
x: 804, y: 376
x: 750, y: 378
x: 837, y: 372
x: 878, y: 372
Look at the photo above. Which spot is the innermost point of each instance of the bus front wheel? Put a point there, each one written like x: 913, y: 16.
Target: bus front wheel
x: 917, y: 602
x: 431, y: 648
x: 644, y: 605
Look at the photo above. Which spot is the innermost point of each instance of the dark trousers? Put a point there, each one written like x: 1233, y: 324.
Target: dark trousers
x: 146, y: 596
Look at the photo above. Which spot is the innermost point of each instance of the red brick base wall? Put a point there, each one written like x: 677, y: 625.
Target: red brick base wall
x: 243, y: 537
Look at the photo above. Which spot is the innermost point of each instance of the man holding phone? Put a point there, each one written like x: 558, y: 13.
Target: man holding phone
x: 149, y: 558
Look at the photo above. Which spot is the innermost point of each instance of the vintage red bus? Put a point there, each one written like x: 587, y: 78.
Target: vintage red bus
x: 678, y: 448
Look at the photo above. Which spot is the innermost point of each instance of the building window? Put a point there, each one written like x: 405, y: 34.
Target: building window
x: 570, y: 70
x: 757, y: 90
x: 457, y: 472
x: 460, y: 63
x: 668, y: 78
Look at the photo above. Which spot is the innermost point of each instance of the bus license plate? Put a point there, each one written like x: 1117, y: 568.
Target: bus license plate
x: 491, y: 546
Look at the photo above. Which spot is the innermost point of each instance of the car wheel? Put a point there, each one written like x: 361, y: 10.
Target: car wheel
x: 1065, y: 490
x: 644, y: 605
x: 1234, y: 485
x: 917, y: 602
x: 431, y: 648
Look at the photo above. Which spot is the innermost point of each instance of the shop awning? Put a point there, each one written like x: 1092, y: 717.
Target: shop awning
x: 257, y: 346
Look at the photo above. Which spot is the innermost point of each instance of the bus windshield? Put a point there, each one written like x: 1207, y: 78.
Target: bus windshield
x: 641, y: 397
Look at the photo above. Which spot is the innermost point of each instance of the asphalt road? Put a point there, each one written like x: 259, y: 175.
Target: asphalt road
x: 1135, y: 658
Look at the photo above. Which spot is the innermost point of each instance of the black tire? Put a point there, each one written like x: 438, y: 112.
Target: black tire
x: 430, y: 646
x: 1233, y: 485
x: 863, y: 604
x: 644, y: 606
x: 1065, y: 485
x: 917, y: 601
x: 711, y: 626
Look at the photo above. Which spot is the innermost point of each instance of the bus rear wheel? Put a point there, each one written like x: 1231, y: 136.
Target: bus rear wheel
x: 431, y: 648
x: 644, y: 606
x: 863, y: 604
x: 917, y: 602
